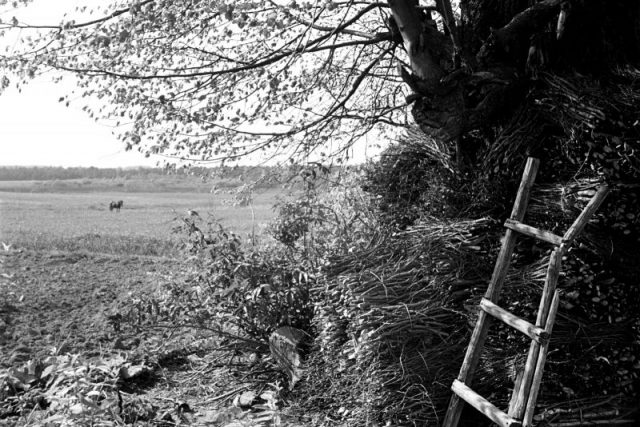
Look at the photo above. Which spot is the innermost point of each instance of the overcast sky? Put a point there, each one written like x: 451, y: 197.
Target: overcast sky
x: 37, y: 130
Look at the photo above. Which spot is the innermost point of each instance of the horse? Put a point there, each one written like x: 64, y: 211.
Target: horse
x: 116, y: 205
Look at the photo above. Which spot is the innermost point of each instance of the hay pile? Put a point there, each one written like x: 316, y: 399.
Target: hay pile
x: 393, y: 326
x: 393, y: 320
x: 579, y: 126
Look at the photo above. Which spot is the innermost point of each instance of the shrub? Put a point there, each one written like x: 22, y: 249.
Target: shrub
x: 237, y: 294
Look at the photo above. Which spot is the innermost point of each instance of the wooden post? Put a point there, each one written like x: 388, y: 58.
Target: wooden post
x: 479, y: 334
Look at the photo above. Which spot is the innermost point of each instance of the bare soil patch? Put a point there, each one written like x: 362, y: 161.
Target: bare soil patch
x: 60, y: 301
x: 57, y: 303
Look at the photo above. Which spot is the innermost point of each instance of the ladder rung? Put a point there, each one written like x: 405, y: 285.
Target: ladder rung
x: 528, y: 230
x: 483, y: 405
x: 532, y: 331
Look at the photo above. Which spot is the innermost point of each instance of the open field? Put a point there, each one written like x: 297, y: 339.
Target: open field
x: 69, y: 268
x: 82, y: 220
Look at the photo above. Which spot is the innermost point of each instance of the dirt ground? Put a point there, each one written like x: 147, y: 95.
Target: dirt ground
x: 60, y: 302
x: 53, y: 303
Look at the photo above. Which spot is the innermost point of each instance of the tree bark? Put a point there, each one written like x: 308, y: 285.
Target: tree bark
x: 415, y: 26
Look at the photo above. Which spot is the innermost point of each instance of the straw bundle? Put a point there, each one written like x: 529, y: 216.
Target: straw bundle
x: 413, y: 178
x: 392, y: 323
x: 394, y: 320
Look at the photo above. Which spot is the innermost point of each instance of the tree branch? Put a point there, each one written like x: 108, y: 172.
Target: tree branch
x: 70, y: 26
x: 94, y: 71
x: 333, y: 30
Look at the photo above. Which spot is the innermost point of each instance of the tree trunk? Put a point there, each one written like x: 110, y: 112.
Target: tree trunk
x: 413, y: 26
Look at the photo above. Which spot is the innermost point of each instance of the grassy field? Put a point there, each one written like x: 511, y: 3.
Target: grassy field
x: 34, y: 218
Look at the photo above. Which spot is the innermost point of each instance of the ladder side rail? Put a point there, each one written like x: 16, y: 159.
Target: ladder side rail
x: 551, y: 282
x: 542, y: 358
x: 471, y: 358
x: 516, y: 409
x: 517, y: 214
x: 586, y: 214
x: 521, y: 390
x: 479, y: 335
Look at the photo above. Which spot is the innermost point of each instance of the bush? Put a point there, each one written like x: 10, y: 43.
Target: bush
x: 239, y: 295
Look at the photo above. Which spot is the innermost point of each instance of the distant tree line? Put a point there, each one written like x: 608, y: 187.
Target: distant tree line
x: 48, y: 173
x: 45, y: 173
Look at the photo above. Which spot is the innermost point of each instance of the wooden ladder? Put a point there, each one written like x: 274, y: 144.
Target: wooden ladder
x: 526, y: 390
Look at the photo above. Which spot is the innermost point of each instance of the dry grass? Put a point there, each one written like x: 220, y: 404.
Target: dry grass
x: 391, y: 323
